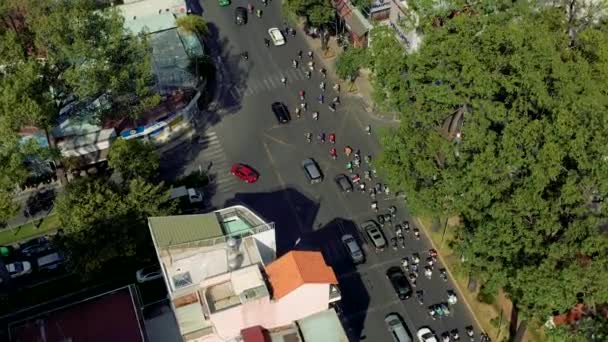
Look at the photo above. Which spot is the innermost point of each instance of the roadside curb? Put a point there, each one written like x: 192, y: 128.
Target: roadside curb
x: 450, y: 275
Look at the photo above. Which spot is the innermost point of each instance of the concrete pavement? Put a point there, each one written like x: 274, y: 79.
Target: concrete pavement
x: 243, y: 129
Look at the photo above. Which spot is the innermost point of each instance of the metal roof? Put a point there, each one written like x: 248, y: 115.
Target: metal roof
x: 173, y: 230
x: 322, y: 326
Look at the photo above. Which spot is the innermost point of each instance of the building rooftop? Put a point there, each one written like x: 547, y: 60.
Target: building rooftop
x: 321, y: 327
x: 175, y: 230
x: 192, y: 248
x: 111, y: 316
x: 242, y: 286
x: 139, y: 23
x: 296, y: 268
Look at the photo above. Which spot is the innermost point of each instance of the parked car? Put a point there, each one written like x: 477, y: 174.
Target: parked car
x: 353, y: 249
x: 397, y: 278
x: 223, y: 3
x: 374, y: 233
x: 344, y: 183
x: 240, y: 16
x: 35, y: 246
x: 280, y: 112
x: 18, y: 269
x: 50, y: 261
x: 244, y: 172
x: 397, y: 329
x: 312, y: 171
x: 148, y: 273
x: 276, y: 36
x: 425, y: 334
x: 181, y: 192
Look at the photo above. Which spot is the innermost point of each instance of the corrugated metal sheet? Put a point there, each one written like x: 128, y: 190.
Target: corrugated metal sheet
x: 174, y: 230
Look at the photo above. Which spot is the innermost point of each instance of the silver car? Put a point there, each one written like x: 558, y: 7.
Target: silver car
x: 353, y: 249
x: 395, y: 326
x: 312, y: 171
x: 375, y: 234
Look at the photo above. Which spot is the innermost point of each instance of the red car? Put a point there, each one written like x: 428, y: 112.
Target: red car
x: 244, y: 172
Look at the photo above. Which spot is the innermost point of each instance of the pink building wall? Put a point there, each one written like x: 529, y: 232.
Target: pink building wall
x: 306, y: 300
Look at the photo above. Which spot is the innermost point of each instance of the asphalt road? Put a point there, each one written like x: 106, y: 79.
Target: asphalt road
x: 243, y: 129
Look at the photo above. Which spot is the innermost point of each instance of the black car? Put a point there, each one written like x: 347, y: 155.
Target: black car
x: 240, y: 16
x: 280, y: 111
x: 344, y: 184
x: 397, y: 278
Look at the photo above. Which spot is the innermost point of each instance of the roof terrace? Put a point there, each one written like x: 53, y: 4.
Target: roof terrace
x: 192, y: 248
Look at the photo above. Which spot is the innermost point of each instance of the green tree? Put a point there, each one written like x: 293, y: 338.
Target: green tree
x: 134, y: 158
x: 105, y: 222
x: 317, y: 12
x: 589, y: 328
x: 387, y: 60
x: 503, y: 124
x: 53, y: 50
x: 193, y: 23
x: 349, y: 63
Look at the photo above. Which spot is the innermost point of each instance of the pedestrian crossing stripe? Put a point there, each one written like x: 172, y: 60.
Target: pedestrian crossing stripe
x: 268, y: 83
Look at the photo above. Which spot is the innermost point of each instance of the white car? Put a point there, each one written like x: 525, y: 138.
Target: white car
x: 276, y: 36
x: 18, y: 268
x: 426, y: 335
x: 148, y: 273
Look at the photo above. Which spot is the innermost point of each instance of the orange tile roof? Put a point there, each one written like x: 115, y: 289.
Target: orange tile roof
x: 296, y: 268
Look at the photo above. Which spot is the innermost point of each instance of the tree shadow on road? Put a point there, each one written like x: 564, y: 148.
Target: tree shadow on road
x: 230, y: 78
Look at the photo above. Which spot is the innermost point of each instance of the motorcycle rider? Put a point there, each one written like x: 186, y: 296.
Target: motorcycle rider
x: 284, y: 81
x: 308, y: 74
x: 315, y: 115
x: 470, y: 332
x: 375, y: 206
x: 322, y: 86
x: 298, y: 111
x: 299, y: 52
x: 368, y: 129
x: 367, y: 175
x: 267, y: 42
x: 455, y: 335
x: 420, y: 297
x: 321, y: 99
x: 332, y: 107
x: 322, y: 137
x: 428, y: 272
x: 294, y: 63
x: 333, y: 153
x: 310, y: 54
x: 245, y: 55
x: 308, y: 137
x: 250, y: 7
x: 323, y: 72
x: 332, y: 138
x: 302, y: 94
x: 444, y: 274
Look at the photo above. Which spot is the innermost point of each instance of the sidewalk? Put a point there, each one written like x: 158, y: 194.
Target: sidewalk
x: 362, y: 88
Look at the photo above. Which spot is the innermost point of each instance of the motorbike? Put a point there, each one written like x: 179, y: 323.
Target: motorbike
x: 372, y: 193
x: 455, y: 335
x: 414, y: 269
x: 428, y: 272
x: 381, y: 219
x: 388, y: 218
x: 367, y: 175
x: 355, y: 178
x: 470, y: 332
x: 444, y: 274
x: 394, y: 243
x: 374, y: 206
x: 445, y: 337
x: 405, y: 264
x: 420, y: 297
x: 368, y: 159
x: 393, y: 210
x: 452, y: 299
x: 415, y: 258
x: 417, y: 233
x: 406, y: 226
x: 401, y: 241
x: 362, y: 187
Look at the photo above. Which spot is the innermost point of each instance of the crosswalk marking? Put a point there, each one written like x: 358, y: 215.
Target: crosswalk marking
x: 268, y: 83
x: 215, y: 156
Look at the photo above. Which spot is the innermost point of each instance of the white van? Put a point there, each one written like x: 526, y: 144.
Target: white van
x: 50, y: 261
x: 193, y: 195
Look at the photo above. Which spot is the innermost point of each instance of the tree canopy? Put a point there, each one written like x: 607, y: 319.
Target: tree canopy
x: 134, y: 158
x: 317, y: 12
x: 103, y: 221
x: 504, y: 124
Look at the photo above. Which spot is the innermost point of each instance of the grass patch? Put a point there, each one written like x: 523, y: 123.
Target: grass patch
x: 30, y: 229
